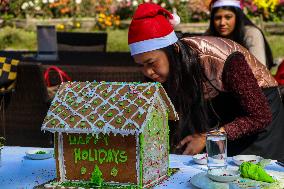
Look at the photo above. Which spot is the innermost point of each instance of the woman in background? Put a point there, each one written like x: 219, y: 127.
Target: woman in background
x: 228, y: 21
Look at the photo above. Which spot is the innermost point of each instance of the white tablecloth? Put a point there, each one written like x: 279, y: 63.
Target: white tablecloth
x: 19, y: 172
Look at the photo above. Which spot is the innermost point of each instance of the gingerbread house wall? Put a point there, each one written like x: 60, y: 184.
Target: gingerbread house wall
x: 115, y: 168
x: 155, y: 147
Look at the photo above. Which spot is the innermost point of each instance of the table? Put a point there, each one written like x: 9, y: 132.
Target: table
x: 19, y: 172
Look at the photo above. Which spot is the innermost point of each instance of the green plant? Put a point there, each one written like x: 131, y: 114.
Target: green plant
x: 2, y: 141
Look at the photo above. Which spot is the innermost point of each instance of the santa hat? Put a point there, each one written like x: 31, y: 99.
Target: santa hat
x: 223, y: 3
x: 151, y: 28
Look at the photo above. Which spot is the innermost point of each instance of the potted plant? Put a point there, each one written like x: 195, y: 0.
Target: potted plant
x: 2, y: 142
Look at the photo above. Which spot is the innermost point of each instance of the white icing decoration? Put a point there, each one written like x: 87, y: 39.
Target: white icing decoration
x: 149, y: 100
x: 62, y: 170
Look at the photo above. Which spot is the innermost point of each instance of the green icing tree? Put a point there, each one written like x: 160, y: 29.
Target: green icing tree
x: 96, y: 178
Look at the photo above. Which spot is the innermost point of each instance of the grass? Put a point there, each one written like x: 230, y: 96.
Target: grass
x: 117, y: 40
x: 276, y: 43
x: 19, y: 39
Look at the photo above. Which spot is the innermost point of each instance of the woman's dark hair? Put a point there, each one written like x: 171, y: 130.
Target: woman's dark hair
x: 239, y: 33
x: 184, y: 87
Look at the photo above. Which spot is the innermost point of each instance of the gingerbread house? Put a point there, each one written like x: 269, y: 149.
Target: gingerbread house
x: 117, y: 127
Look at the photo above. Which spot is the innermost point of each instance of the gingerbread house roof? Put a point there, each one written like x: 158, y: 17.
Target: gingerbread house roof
x: 104, y: 107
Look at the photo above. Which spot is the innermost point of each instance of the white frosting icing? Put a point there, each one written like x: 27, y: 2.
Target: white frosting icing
x: 91, y: 89
x: 62, y: 170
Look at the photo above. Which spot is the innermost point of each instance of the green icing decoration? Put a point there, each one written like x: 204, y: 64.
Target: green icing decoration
x: 113, y: 99
x: 70, y: 100
x: 54, y: 104
x: 131, y: 95
x: 40, y: 152
x: 53, y: 122
x: 95, y: 102
x: 105, y: 94
x: 96, y: 177
x: 83, y: 170
x: 72, y: 139
x: 141, y: 144
x: 81, y: 140
x: 123, y: 157
x: 103, y: 107
x: 148, y: 92
x: 65, y: 113
x: 118, y: 121
x: 128, y: 110
x: 79, y: 87
x: 76, y: 105
x: 77, y: 155
x: 100, y: 123
x: 255, y: 172
x: 92, y: 117
x: 139, y: 116
x: 140, y: 101
x: 110, y: 114
x: 85, y: 154
x: 83, y: 124
x: 114, y: 171
x: 101, y: 155
x: 61, y: 125
x: 109, y: 156
x: 90, y: 155
x: 121, y: 104
x: 106, y: 140
x: 72, y: 119
x: 59, y: 110
x: 89, y: 184
x: 83, y: 111
x: 96, y: 139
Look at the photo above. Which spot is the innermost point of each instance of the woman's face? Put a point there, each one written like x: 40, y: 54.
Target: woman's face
x: 154, y: 65
x: 224, y: 22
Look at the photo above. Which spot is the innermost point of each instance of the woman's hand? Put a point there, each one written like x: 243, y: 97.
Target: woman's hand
x: 194, y: 144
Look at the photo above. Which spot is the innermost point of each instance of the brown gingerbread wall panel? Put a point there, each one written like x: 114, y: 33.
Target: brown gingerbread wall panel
x: 114, y: 155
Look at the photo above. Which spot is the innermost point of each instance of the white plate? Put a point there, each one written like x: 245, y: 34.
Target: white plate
x: 223, y: 175
x: 200, y: 159
x: 239, y: 159
x: 32, y: 154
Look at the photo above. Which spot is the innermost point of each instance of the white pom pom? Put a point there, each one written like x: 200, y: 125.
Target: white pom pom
x: 175, y: 20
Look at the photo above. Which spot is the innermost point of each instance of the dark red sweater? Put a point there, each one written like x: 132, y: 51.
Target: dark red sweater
x: 238, y: 79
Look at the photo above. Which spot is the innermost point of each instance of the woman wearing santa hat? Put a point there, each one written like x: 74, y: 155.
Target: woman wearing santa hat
x: 212, y: 82
x: 228, y: 21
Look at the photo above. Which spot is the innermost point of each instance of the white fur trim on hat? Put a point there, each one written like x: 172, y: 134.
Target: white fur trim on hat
x: 175, y: 20
x: 222, y: 3
x: 153, y: 44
